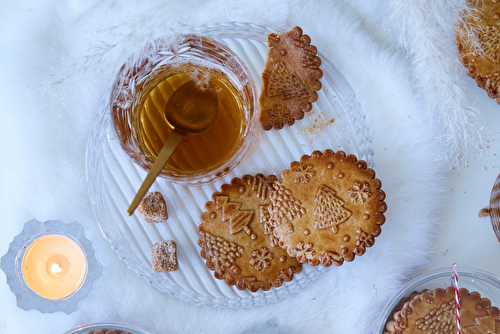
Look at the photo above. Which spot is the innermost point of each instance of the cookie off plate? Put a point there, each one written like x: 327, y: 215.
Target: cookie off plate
x: 485, y: 284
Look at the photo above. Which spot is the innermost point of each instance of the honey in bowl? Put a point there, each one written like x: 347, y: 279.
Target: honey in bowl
x: 142, y: 89
x: 196, y: 153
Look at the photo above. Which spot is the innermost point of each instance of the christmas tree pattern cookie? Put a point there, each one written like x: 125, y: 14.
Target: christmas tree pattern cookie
x: 328, y: 208
x: 237, y: 240
x: 290, y: 79
x: 478, y: 41
x: 434, y: 312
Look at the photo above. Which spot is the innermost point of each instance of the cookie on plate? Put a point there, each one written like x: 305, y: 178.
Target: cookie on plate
x: 434, y: 311
x: 477, y: 39
x: 236, y: 236
x: 290, y: 79
x: 327, y: 208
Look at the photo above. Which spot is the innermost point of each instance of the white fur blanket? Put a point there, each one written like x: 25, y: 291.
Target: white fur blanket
x: 58, y: 58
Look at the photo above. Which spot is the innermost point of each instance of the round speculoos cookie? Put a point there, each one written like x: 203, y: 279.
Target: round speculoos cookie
x: 236, y: 236
x: 478, y: 40
x: 327, y: 208
x: 434, y: 312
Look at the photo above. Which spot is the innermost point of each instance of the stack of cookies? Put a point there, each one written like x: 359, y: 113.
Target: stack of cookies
x: 258, y: 231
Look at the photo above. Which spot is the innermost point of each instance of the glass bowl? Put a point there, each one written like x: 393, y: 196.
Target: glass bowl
x: 487, y: 284
x: 85, y: 329
x: 142, y: 89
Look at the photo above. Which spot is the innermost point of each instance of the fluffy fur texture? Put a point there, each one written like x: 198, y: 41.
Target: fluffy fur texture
x: 430, y: 44
x: 58, y: 59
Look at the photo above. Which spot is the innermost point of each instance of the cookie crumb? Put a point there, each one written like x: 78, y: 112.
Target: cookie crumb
x: 484, y: 212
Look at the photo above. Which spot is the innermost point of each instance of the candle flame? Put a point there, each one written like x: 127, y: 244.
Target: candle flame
x: 56, y: 268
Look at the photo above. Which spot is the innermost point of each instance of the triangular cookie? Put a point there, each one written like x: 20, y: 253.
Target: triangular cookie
x: 290, y: 79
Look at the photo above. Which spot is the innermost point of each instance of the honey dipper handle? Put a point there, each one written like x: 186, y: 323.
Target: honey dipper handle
x: 166, y: 151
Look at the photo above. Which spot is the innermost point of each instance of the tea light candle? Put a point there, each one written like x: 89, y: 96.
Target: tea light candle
x: 50, y: 266
x: 54, y: 266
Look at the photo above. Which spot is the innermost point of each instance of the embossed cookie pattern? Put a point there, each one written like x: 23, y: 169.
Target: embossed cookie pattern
x: 329, y: 211
x: 327, y: 208
x: 477, y: 40
x: 434, y: 311
x: 237, y: 240
x: 290, y: 79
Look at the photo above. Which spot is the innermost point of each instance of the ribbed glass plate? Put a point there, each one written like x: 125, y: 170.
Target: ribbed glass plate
x: 336, y: 122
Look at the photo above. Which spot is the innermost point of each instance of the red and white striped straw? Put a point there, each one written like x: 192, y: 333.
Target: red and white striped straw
x: 457, y: 302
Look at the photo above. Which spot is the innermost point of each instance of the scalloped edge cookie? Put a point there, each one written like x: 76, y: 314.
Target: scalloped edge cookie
x: 477, y: 38
x: 290, y: 79
x: 236, y: 236
x: 327, y: 208
x: 434, y: 311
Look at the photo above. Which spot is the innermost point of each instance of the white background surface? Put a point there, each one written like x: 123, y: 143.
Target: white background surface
x: 463, y: 237
x: 44, y: 138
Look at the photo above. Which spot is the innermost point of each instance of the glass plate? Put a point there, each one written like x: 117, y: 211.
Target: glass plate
x: 336, y: 122
x: 85, y: 329
x: 488, y: 286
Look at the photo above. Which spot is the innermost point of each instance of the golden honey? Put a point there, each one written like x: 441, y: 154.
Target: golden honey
x: 143, y: 87
x: 199, y: 152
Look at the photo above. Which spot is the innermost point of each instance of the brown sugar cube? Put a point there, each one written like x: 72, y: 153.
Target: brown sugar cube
x: 153, y: 208
x: 164, y: 255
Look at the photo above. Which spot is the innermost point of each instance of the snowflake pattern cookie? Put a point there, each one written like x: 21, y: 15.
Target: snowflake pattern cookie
x: 327, y: 208
x: 290, y: 79
x: 434, y: 312
x: 236, y: 236
x: 477, y: 39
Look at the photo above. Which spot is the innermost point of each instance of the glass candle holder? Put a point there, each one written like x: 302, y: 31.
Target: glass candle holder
x: 51, y: 266
x: 145, y: 84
